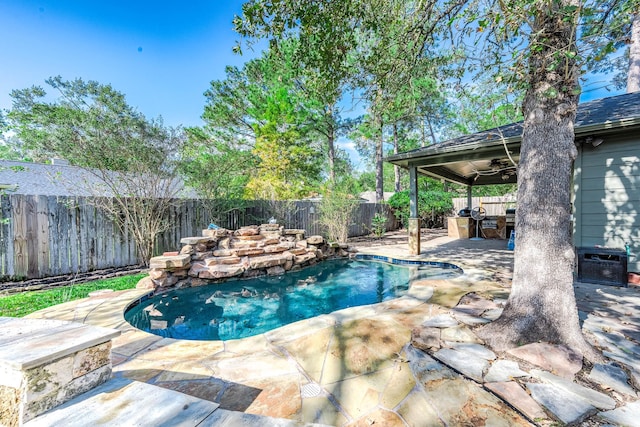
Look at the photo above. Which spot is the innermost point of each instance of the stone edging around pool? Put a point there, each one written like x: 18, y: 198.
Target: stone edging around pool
x: 396, y: 261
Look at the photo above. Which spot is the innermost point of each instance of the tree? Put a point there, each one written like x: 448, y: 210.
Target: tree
x: 527, y: 44
x: 11, y: 148
x: 611, y: 33
x: 541, y: 305
x: 93, y: 127
x: 485, y: 105
x: 348, y: 42
x: 411, y: 107
x: 217, y: 171
x: 633, y: 73
x: 264, y: 109
x: 288, y: 167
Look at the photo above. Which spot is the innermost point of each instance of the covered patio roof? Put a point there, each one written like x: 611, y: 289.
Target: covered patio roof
x: 488, y: 157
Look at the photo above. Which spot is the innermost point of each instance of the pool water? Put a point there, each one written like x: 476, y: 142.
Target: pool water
x: 243, y: 308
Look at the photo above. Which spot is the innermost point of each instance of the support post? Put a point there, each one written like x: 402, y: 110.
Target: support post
x: 414, y: 218
x: 469, y: 201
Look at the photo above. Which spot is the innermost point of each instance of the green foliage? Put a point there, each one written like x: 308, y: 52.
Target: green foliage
x: 288, y: 166
x: 484, y: 106
x: 366, y: 181
x: 218, y: 172
x: 21, y: 304
x: 263, y: 114
x: 375, y: 48
x: 607, y: 38
x: 431, y: 204
x: 11, y: 148
x: 378, y: 225
x: 365, y: 135
x: 493, y: 190
x: 90, y: 125
x: 337, y: 208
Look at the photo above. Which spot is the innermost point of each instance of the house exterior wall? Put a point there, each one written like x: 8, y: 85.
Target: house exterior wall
x: 607, y: 195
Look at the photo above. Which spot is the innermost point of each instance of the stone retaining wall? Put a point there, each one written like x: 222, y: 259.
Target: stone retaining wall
x: 250, y: 251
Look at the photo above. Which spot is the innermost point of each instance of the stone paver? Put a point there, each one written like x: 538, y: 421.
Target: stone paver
x: 119, y: 402
x: 459, y: 334
x: 612, y: 377
x: 627, y: 415
x: 360, y: 395
x: 473, y: 349
x: 466, y: 363
x: 426, y: 338
x: 504, y: 370
x: 515, y: 395
x: 321, y: 410
x: 593, y: 397
x: 440, y: 321
x: 223, y: 418
x: 417, y: 410
x: 470, y: 319
x: 566, y: 406
x: 557, y: 359
x: 380, y: 417
x: 400, y: 384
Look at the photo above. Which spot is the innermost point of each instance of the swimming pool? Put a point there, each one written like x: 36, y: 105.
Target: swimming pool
x: 243, y: 308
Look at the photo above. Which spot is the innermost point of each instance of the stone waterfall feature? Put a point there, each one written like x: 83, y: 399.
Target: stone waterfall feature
x: 251, y: 251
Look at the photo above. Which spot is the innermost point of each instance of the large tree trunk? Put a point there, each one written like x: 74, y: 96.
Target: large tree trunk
x: 396, y: 168
x: 331, y: 150
x: 633, y: 74
x: 431, y: 132
x: 379, y: 165
x: 332, y: 156
x: 542, y: 305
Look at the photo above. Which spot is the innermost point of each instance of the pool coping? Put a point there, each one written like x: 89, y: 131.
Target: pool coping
x: 400, y: 261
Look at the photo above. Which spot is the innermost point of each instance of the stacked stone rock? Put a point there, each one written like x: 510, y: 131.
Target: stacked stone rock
x: 250, y: 251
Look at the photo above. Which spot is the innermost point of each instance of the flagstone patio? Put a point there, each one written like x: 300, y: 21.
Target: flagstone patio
x: 357, y: 366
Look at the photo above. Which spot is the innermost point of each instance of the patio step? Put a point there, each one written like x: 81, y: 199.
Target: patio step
x: 122, y: 402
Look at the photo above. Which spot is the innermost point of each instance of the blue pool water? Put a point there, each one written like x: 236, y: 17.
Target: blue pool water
x: 243, y: 308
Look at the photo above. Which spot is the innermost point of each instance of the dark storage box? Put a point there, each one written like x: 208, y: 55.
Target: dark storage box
x: 603, y: 266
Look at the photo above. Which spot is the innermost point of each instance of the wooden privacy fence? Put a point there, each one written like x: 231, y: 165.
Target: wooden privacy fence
x: 42, y: 236
x: 494, y: 206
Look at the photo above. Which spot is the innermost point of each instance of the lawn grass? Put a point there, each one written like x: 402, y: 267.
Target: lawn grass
x: 21, y: 304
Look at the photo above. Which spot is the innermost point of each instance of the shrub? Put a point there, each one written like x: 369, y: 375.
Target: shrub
x: 378, y: 224
x: 431, y: 204
x: 336, y: 213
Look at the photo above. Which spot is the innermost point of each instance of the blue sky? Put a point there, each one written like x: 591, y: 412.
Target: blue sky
x: 161, y: 55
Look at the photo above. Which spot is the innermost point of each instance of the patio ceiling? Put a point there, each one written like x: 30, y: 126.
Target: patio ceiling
x: 489, y: 160
x: 491, y: 169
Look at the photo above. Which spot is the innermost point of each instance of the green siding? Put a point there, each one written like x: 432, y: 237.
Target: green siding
x: 607, y: 195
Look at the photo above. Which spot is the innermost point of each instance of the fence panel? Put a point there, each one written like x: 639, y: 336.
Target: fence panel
x: 43, y: 236
x: 6, y: 238
x: 494, y: 206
